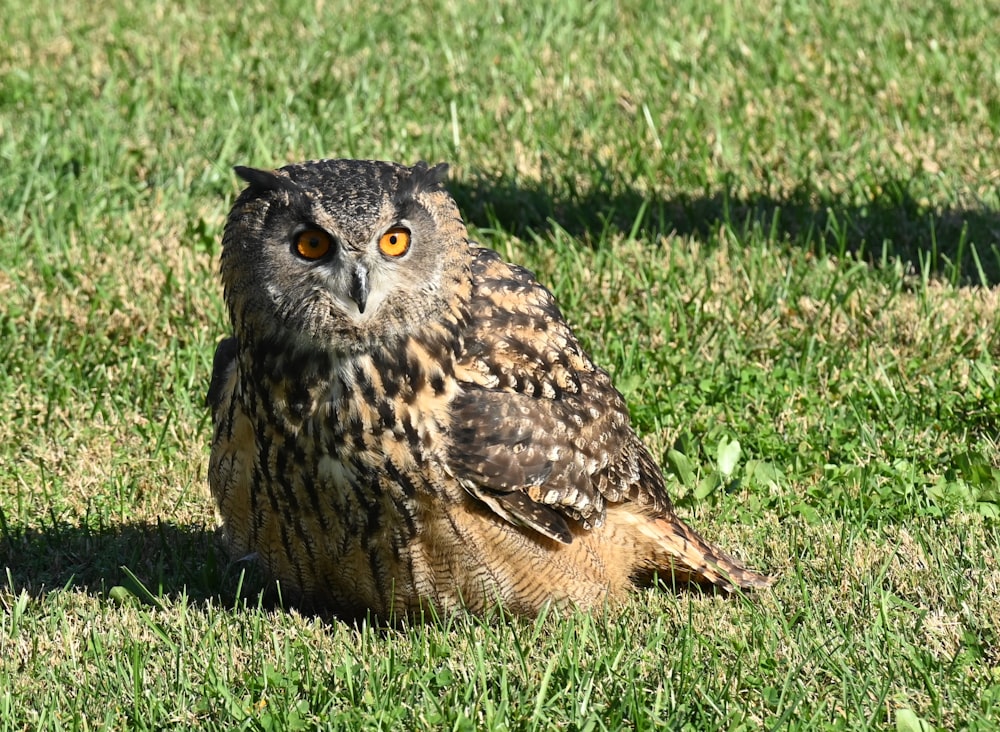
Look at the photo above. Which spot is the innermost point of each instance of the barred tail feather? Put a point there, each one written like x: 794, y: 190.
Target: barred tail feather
x: 681, y: 556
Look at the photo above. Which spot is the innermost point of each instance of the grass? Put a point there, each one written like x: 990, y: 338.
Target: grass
x: 776, y: 224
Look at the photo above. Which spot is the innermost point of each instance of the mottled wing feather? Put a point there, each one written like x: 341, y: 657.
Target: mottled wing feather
x: 520, y: 510
x: 537, y: 427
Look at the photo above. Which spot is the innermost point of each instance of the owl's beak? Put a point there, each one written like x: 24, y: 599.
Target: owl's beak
x: 359, y: 287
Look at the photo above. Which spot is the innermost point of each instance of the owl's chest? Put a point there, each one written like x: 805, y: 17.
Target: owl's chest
x: 373, y: 421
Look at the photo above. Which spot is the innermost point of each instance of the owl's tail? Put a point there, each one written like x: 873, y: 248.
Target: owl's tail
x: 679, y: 555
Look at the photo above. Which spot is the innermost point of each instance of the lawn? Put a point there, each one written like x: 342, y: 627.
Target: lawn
x: 776, y: 224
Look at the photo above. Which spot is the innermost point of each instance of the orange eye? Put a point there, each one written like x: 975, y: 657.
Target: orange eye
x: 312, y: 243
x: 395, y: 242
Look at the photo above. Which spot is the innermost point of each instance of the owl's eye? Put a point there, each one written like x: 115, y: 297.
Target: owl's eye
x: 312, y: 243
x: 395, y: 242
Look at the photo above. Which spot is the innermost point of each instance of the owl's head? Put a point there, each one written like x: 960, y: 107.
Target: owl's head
x: 341, y: 254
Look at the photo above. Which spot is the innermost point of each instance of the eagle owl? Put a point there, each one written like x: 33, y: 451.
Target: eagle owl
x: 404, y: 421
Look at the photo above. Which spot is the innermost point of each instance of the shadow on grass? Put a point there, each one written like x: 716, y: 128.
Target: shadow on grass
x: 161, y: 562
x: 961, y: 245
x: 150, y: 560
x: 155, y: 562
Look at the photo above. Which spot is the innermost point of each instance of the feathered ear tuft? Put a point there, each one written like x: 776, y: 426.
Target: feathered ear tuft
x: 417, y: 179
x: 266, y: 180
x: 428, y: 177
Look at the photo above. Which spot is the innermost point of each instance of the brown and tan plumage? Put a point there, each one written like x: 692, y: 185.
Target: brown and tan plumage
x: 405, y: 421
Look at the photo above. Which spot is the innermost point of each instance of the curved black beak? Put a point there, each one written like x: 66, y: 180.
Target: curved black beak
x: 359, y: 287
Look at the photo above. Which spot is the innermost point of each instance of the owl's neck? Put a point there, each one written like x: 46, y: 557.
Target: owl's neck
x: 300, y: 382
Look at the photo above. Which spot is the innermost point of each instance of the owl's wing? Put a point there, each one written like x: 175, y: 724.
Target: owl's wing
x: 222, y: 364
x: 539, y: 433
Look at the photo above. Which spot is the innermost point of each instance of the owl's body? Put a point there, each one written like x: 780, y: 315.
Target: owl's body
x: 403, y: 421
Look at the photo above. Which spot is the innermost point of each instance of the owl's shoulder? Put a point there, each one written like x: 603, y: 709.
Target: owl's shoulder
x: 517, y: 338
x: 500, y: 287
x: 223, y: 370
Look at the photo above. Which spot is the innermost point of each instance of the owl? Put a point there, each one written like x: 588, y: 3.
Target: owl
x: 405, y: 423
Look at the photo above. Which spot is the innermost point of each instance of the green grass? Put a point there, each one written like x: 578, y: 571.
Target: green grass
x: 774, y: 223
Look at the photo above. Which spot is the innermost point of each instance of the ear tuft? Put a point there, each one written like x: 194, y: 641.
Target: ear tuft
x: 428, y: 177
x: 266, y: 180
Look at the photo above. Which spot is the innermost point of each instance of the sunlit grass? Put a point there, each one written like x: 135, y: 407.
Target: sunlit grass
x: 774, y: 224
